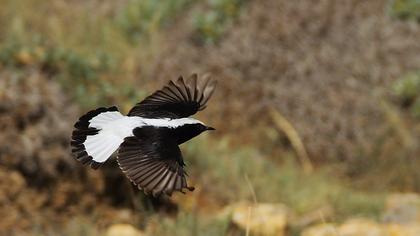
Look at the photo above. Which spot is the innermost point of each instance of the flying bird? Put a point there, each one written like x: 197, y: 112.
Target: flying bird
x: 148, y: 137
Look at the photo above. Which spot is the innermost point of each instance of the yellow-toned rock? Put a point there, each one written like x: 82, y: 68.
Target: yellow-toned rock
x: 24, y: 57
x: 402, y: 208
x: 123, y: 230
x: 321, y: 230
x: 362, y: 227
x: 403, y: 230
x: 261, y: 219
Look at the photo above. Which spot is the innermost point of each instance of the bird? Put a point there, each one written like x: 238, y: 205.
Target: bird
x: 147, y: 139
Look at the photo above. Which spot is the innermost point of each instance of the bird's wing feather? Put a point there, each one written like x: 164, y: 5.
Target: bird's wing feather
x: 178, y: 99
x: 89, y: 145
x: 153, y: 162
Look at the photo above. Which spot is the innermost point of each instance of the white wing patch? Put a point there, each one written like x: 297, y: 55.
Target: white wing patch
x: 112, y: 131
x: 104, y: 118
x: 114, y: 127
x: 101, y: 146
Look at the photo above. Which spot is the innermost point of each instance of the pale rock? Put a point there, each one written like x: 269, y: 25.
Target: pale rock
x: 321, y: 230
x: 361, y: 227
x: 123, y: 230
x: 402, y: 208
x: 403, y: 230
x: 353, y: 227
x: 314, y: 217
x: 261, y: 218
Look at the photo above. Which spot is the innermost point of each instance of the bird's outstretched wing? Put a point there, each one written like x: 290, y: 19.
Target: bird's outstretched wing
x: 153, y: 162
x: 89, y: 145
x: 178, y: 99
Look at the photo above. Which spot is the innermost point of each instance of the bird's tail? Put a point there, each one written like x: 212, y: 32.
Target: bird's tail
x: 90, y: 145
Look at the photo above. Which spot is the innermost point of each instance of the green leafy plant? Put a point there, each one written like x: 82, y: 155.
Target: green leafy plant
x: 407, y: 91
x: 140, y: 17
x: 211, y: 24
x: 406, y: 9
x: 85, y: 76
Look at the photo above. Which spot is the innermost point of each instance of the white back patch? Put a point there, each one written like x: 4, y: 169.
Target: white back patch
x: 114, y: 127
x: 170, y: 123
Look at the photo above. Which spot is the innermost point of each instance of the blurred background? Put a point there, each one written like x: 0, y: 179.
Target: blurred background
x: 317, y: 113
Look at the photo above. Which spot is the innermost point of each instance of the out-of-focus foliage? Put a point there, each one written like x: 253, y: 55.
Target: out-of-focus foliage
x: 406, y: 9
x: 211, y: 23
x: 31, y: 110
x: 86, y: 63
x: 188, y: 223
x: 284, y: 55
x: 82, y: 75
x: 78, y: 73
x: 271, y: 182
x: 39, y: 180
x: 407, y: 89
x: 142, y: 17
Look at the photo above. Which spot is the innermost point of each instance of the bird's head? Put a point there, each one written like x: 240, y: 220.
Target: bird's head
x: 197, y: 128
x: 203, y: 127
x: 190, y: 128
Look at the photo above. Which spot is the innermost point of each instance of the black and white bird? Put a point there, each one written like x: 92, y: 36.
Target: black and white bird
x: 147, y: 138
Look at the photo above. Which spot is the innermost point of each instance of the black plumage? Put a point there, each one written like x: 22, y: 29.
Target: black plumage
x: 147, y: 139
x: 177, y: 99
x: 152, y: 160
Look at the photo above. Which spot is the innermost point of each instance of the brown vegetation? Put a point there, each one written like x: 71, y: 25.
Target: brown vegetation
x: 324, y: 65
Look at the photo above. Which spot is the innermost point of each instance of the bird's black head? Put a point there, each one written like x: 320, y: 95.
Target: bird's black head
x: 201, y: 127
x: 188, y: 131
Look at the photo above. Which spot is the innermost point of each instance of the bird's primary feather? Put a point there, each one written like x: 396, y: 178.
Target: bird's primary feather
x: 178, y: 99
x: 153, y: 161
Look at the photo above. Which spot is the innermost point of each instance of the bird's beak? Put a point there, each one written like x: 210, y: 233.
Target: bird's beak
x: 210, y: 128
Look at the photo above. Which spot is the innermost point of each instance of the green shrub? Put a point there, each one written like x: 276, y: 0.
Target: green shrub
x: 211, y: 24
x: 87, y: 78
x: 140, y: 17
x: 406, y: 9
x: 407, y: 91
x: 189, y: 223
